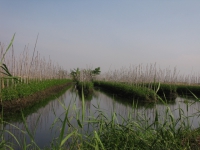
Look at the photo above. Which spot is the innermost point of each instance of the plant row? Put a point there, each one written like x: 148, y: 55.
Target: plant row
x: 166, y: 89
x: 130, y: 91
x: 147, y: 91
x: 149, y: 73
x: 22, y: 89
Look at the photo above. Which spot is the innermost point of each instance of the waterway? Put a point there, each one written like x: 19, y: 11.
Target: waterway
x: 45, y: 122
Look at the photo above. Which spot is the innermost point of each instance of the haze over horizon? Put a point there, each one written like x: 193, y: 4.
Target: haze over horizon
x: 107, y: 34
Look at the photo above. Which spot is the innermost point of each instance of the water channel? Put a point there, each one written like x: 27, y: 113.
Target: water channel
x: 48, y: 126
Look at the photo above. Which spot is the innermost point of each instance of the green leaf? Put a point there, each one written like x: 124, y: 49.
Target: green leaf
x: 79, y: 123
x: 66, y: 138
x: 11, y: 42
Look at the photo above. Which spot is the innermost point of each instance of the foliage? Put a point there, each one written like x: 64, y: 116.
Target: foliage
x: 95, y: 72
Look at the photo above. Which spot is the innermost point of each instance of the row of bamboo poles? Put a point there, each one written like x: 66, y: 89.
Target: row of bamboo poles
x: 28, y: 67
x: 150, y: 74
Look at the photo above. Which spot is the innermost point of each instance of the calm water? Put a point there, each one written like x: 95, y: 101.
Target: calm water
x: 47, y: 128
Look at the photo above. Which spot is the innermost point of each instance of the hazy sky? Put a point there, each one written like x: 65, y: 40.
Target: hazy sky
x: 106, y: 33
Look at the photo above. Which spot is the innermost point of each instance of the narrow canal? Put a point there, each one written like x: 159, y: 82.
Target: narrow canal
x: 45, y: 123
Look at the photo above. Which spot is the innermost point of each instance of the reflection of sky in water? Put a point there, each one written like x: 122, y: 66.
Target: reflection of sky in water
x: 54, y: 110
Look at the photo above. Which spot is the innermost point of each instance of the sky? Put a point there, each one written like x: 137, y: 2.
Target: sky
x: 107, y: 34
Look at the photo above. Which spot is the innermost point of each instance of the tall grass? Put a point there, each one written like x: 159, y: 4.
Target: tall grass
x: 26, y: 66
x: 149, y: 73
x: 103, y: 131
x: 16, y: 75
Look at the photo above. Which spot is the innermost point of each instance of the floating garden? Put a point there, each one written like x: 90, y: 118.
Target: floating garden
x: 28, y: 80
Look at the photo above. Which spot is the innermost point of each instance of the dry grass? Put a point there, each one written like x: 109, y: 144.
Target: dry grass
x: 150, y: 74
x: 28, y: 66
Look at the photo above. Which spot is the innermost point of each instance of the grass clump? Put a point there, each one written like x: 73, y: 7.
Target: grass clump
x: 164, y: 133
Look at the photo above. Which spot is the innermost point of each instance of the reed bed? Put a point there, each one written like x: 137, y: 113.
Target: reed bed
x: 170, y: 82
x: 25, y: 75
x: 150, y: 73
x: 164, y: 132
x: 28, y: 67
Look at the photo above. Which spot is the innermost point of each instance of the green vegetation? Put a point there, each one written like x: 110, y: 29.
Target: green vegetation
x: 170, y: 82
x: 129, y: 101
x: 14, y: 71
x: 146, y: 91
x: 31, y: 76
x: 166, y: 90
x: 84, y: 79
x: 10, y: 116
x: 126, y: 90
x: 105, y: 131
x: 23, y: 90
x: 171, y: 90
x: 188, y: 90
x: 141, y: 135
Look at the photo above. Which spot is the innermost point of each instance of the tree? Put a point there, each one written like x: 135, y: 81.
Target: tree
x: 75, y: 75
x: 95, y: 72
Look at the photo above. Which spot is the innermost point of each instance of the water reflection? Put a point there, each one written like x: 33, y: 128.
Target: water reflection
x: 46, y: 129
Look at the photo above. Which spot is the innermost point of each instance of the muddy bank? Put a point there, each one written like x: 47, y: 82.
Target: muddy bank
x: 21, y: 103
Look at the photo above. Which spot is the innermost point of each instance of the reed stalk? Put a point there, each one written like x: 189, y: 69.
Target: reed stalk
x: 150, y: 73
x: 26, y: 67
